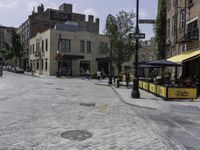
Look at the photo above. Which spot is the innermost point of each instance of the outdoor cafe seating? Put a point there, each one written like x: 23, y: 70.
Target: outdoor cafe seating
x: 162, y: 85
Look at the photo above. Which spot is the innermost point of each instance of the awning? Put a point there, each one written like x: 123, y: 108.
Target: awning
x: 103, y: 59
x: 185, y: 56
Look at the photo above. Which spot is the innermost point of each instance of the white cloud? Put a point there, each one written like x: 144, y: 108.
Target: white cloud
x: 90, y: 11
x: 8, y: 3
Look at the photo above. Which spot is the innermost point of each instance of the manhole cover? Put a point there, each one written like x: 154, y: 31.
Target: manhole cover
x: 87, y: 104
x: 78, y: 135
x: 59, y: 89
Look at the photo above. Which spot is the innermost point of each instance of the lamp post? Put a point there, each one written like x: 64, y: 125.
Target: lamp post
x: 58, y: 54
x: 110, y: 74
x: 135, y: 91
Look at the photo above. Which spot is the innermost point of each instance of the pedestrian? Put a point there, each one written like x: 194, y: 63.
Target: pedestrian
x: 127, y: 75
x: 88, y: 74
x: 98, y: 75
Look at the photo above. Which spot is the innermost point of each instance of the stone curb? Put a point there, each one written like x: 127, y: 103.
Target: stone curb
x: 122, y: 99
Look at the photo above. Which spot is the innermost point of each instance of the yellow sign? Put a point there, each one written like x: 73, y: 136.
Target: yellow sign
x: 182, y: 93
x: 140, y: 84
x: 152, y: 88
x: 145, y: 85
x: 161, y: 90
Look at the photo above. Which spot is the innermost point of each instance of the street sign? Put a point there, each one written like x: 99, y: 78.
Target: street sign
x: 139, y: 36
x: 147, y: 21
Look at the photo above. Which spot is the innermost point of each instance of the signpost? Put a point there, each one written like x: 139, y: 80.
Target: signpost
x: 147, y: 21
x: 139, y: 36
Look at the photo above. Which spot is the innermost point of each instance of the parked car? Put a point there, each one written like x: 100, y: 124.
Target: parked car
x: 18, y: 70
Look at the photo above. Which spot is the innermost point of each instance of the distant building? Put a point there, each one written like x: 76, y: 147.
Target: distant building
x: 68, y: 48
x: 146, y: 53
x: 5, y: 36
x: 42, y: 20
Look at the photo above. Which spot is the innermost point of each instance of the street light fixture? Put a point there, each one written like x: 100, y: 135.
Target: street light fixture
x: 135, y: 91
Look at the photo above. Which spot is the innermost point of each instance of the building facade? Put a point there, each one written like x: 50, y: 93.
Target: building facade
x: 68, y: 51
x: 182, y: 33
x: 42, y: 20
x: 146, y: 53
x: 5, y: 36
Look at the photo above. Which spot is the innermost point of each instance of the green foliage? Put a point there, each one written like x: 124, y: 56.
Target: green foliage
x: 118, y: 29
x: 160, y: 28
x: 16, y: 46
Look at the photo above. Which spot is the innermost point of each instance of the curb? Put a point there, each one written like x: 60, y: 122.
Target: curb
x: 120, y: 97
x: 130, y: 103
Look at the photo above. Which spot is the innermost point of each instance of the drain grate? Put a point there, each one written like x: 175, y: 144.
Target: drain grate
x: 87, y: 104
x: 78, y: 135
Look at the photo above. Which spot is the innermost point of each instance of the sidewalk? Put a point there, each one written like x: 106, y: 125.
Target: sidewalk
x: 148, y: 100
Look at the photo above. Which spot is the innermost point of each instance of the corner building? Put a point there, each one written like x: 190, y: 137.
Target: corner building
x: 78, y: 51
x: 42, y: 20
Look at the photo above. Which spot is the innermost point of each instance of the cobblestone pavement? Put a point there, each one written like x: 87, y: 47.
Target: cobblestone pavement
x: 34, y: 112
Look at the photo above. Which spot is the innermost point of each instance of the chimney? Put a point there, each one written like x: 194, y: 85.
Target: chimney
x: 66, y: 8
x: 40, y: 9
x: 90, y: 18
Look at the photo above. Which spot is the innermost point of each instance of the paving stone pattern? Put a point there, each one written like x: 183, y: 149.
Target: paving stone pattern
x: 34, y: 112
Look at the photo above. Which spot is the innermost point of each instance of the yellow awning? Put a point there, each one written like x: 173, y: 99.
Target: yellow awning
x: 184, y: 56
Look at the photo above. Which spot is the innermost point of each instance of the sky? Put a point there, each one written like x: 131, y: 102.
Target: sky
x: 15, y: 12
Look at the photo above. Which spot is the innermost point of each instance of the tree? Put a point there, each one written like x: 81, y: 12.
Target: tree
x: 16, y: 47
x: 160, y: 28
x: 118, y: 29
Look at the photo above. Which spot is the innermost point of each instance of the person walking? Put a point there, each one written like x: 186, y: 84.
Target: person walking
x: 127, y: 75
x: 88, y: 74
x: 98, y: 75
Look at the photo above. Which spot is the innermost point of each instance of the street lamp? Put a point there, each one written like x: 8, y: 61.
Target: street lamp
x: 135, y: 91
x: 110, y: 74
x: 58, y: 55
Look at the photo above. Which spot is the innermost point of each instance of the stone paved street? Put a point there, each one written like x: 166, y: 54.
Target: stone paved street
x: 34, y: 112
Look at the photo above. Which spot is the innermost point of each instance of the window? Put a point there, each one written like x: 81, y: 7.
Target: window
x: 46, y: 46
x: 46, y: 64
x: 168, y: 27
x: 30, y: 49
x: 174, y: 25
x: 42, y: 45
x: 42, y: 61
x: 37, y: 63
x: 65, y: 45
x: 33, y: 48
x: 88, y: 46
x: 168, y: 5
x: 182, y: 19
x: 175, y: 3
x: 84, y: 66
x: 190, y: 2
x: 103, y: 48
x: 192, y: 31
x: 82, y: 45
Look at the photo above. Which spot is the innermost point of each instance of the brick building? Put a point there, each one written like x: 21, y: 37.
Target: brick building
x: 46, y: 19
x: 182, y: 35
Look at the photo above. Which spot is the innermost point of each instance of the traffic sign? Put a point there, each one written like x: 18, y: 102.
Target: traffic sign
x: 147, y: 21
x: 139, y: 36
